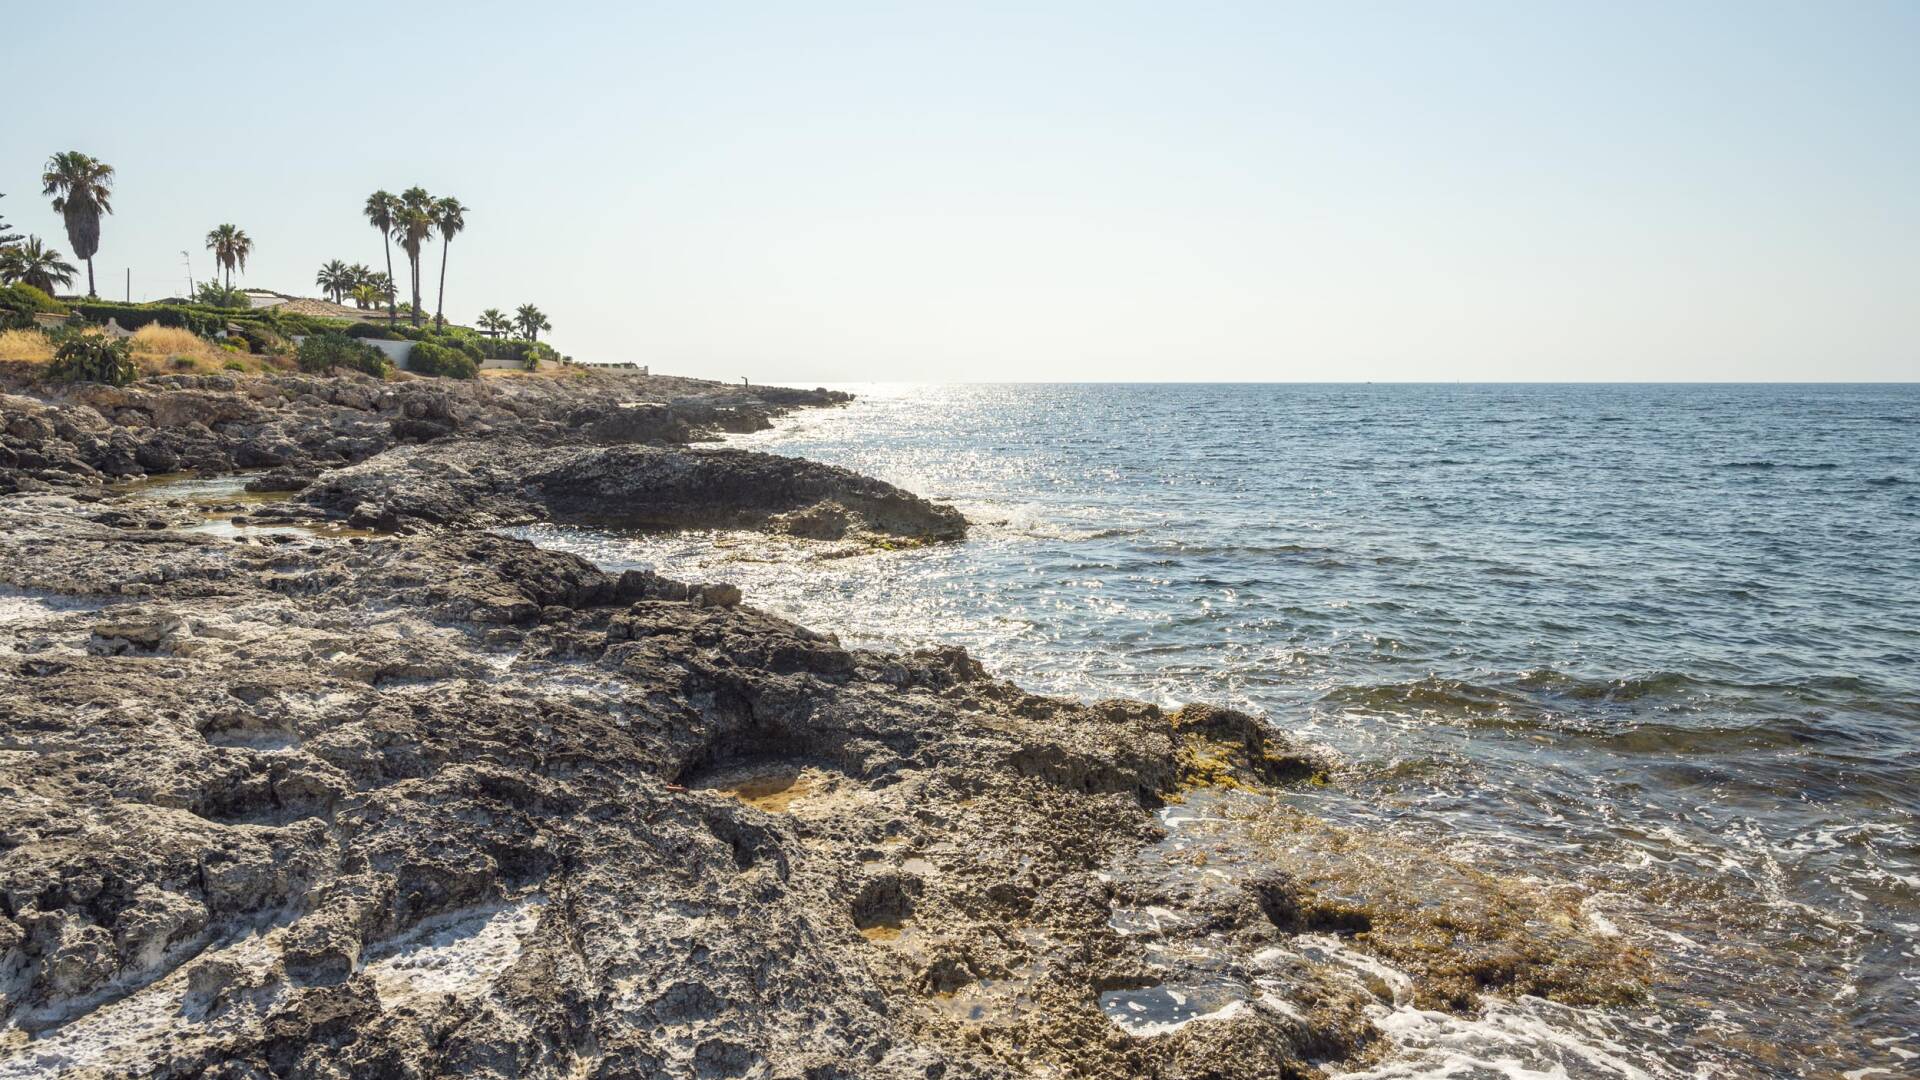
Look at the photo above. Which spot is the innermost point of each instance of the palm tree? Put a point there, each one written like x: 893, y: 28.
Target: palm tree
x: 365, y: 296
x: 7, y: 239
x: 230, y: 245
x: 449, y: 217
x: 531, y: 320
x: 413, y: 226
x: 34, y: 264
x: 335, y: 279
x: 383, y: 285
x: 380, y: 209
x: 81, y: 188
x: 495, y: 322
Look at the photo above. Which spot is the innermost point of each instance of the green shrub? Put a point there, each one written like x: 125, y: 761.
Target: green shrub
x: 323, y: 352
x: 91, y: 358
x: 536, y: 353
x: 32, y: 298
x: 214, y: 294
x: 184, y: 363
x: 41, y: 301
x: 260, y: 338
x: 433, y: 358
x: 288, y: 324
x: 20, y: 302
x: 234, y: 365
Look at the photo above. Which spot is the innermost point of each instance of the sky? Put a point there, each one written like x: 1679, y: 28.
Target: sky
x: 843, y: 192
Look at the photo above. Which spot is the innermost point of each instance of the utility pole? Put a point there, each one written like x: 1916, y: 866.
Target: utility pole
x: 129, y: 284
x: 188, y: 260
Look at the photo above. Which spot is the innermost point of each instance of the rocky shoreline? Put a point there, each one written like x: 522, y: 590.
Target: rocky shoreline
x: 371, y: 791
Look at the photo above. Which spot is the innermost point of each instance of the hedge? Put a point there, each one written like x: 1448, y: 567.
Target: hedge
x: 19, y: 303
x: 323, y: 352
x: 206, y: 322
x: 433, y: 358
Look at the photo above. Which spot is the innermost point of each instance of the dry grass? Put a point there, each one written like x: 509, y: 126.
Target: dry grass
x: 165, y: 350
x: 30, y: 346
x: 157, y: 350
x: 519, y: 373
x: 169, y: 341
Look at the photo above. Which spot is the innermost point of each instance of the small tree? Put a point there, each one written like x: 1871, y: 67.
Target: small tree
x: 214, y: 294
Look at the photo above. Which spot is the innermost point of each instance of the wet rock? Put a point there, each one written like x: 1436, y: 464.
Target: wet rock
x: 471, y: 485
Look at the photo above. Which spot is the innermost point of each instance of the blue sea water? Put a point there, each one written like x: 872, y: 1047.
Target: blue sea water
x: 1660, y: 644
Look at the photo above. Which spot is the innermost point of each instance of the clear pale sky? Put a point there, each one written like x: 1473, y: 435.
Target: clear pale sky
x: 827, y: 191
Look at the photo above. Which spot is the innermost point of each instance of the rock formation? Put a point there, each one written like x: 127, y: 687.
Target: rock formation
x: 442, y: 803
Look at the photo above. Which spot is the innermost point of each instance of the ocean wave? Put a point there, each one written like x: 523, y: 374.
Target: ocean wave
x: 1431, y: 694
x: 1811, y: 466
x: 1561, y: 685
x: 1520, y: 698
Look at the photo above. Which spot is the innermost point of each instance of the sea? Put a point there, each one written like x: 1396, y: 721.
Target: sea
x: 1657, y: 644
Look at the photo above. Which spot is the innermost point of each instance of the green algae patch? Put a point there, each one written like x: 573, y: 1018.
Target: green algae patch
x: 1459, y: 932
x: 1225, y: 749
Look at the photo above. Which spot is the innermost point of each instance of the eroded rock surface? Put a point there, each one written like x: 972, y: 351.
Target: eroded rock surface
x: 84, y: 435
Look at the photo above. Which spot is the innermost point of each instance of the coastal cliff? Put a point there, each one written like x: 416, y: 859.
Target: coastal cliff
x: 363, y: 789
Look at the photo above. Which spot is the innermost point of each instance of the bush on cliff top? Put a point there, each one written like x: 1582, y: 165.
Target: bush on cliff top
x: 323, y: 352
x: 214, y: 294
x: 260, y: 338
x: 19, y: 303
x: 431, y: 358
x: 134, y: 316
x: 92, y: 358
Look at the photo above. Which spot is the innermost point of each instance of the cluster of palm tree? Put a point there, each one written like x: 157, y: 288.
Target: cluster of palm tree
x: 411, y: 219
x: 82, y: 190
x: 362, y: 284
x: 530, y: 321
x: 81, y: 187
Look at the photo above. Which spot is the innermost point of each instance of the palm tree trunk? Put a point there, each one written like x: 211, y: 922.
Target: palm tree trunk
x: 440, y: 302
x: 91, y: 295
x: 388, y: 242
x: 416, y: 289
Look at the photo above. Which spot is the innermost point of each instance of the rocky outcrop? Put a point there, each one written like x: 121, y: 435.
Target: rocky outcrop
x: 88, y: 434
x: 462, y: 806
x: 469, y: 485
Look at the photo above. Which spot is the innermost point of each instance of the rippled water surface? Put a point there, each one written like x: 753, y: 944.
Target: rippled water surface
x: 1658, y: 644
